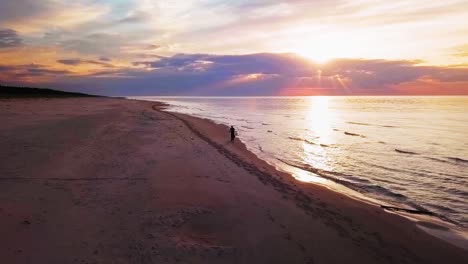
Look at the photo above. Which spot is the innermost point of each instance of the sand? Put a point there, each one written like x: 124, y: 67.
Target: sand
x: 96, y: 180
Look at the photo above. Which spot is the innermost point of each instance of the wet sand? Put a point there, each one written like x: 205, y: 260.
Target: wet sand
x: 96, y: 180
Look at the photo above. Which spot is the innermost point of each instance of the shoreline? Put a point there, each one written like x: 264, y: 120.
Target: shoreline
x: 101, y: 180
x: 431, y: 224
x: 425, y: 182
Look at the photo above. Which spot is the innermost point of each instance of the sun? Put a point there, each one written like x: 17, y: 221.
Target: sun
x: 317, y: 52
x: 325, y: 48
x: 319, y: 58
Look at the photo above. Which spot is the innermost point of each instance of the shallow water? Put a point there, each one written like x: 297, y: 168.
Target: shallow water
x: 407, y: 151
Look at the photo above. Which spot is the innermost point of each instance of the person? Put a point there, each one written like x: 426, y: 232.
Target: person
x: 233, y: 133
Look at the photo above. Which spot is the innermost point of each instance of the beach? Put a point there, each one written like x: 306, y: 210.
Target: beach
x: 107, y: 180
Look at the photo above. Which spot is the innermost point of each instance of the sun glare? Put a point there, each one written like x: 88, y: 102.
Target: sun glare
x: 317, y: 58
x: 319, y: 52
x: 319, y: 117
x: 319, y: 55
x: 329, y: 46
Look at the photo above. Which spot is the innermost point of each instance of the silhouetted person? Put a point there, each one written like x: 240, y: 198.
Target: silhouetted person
x: 233, y: 133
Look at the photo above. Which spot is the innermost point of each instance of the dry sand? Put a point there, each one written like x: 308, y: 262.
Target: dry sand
x: 95, y: 180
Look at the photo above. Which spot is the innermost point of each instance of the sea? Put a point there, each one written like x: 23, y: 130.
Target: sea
x: 409, y: 152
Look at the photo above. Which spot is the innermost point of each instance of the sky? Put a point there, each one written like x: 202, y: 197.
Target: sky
x: 245, y: 47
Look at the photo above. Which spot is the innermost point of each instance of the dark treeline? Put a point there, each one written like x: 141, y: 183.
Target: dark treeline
x: 11, y: 91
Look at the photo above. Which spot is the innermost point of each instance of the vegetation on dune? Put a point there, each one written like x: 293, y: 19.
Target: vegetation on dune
x: 12, y: 91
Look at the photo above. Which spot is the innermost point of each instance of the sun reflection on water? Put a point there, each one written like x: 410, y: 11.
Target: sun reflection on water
x: 318, y: 118
x: 318, y: 121
x: 305, y: 176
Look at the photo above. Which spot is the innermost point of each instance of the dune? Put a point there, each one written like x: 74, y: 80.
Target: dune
x: 101, y: 180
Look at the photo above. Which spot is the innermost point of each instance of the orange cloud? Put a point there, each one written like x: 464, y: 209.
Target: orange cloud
x: 41, y: 64
x: 51, y: 15
x: 429, y: 86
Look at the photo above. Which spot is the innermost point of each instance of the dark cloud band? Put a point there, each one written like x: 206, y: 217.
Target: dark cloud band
x: 9, y: 38
x: 254, y: 74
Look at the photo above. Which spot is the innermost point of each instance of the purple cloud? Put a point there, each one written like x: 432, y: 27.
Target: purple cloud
x: 268, y: 74
x: 254, y: 74
x: 17, y: 73
x: 74, y: 62
x: 102, y: 58
x: 9, y: 38
x: 13, y: 10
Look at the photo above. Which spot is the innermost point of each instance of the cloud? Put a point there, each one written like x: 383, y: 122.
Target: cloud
x: 14, y: 10
x: 252, y: 74
x: 357, y: 73
x: 152, y: 47
x: 460, y: 51
x: 160, y: 47
x: 9, y: 38
x: 268, y: 63
x: 30, y: 73
x: 271, y: 74
x: 75, y: 62
x: 37, y: 15
x: 135, y: 17
x: 113, y: 44
x: 95, y: 43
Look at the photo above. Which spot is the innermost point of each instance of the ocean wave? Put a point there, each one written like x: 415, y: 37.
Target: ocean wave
x: 437, y: 159
x: 449, y: 160
x: 458, y: 160
x: 406, y: 152
x: 365, y: 187
x: 352, y: 182
x: 382, y: 191
x: 393, y: 169
x: 456, y: 191
x: 353, y: 134
x: 366, y: 124
x: 247, y: 127
x: 442, y: 208
x: 303, y: 140
x: 358, y: 123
